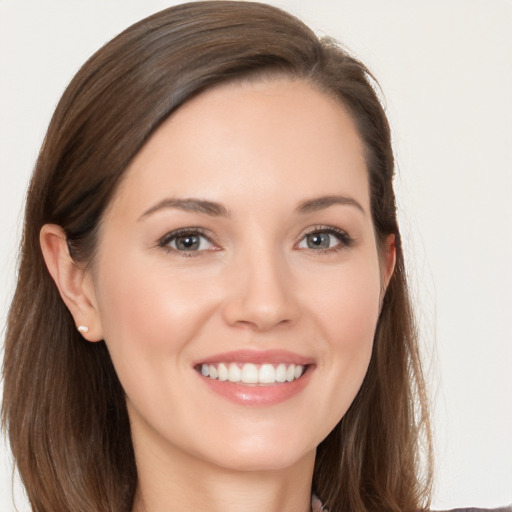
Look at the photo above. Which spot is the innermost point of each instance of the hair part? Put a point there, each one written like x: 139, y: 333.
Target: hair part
x: 64, y: 407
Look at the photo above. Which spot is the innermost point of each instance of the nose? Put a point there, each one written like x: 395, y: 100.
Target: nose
x: 261, y: 293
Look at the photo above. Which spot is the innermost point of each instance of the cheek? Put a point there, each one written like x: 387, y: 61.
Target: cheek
x: 346, y: 317
x: 151, y: 319
x: 147, y: 313
x: 348, y: 307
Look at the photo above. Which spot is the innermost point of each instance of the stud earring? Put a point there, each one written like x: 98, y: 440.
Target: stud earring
x: 83, y: 329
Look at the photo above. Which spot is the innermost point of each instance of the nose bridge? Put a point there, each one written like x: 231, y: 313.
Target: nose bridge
x: 261, y: 289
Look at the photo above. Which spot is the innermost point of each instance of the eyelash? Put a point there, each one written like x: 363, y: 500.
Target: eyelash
x: 345, y: 240
x: 173, y: 235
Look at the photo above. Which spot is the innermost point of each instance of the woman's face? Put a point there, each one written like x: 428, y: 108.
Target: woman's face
x: 240, y: 245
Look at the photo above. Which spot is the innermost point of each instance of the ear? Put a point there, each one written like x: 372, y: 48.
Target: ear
x: 73, y: 281
x: 388, y: 260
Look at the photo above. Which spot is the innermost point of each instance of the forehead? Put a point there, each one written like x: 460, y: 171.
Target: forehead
x: 271, y: 141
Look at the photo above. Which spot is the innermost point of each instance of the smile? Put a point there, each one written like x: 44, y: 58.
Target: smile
x: 256, y: 377
x: 250, y: 373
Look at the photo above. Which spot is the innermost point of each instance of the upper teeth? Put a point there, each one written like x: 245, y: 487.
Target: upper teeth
x: 250, y: 373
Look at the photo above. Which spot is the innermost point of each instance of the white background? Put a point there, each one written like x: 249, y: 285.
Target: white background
x: 446, y: 70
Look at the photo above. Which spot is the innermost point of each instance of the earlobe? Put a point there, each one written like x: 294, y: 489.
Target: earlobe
x: 72, y: 281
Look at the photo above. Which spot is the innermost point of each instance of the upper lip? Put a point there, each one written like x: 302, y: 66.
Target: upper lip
x: 257, y: 357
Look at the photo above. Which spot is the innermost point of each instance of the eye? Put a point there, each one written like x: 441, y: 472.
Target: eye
x: 325, y: 239
x: 187, y: 240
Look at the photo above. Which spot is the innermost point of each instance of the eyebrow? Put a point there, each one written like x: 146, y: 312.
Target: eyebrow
x: 189, y: 205
x: 320, y: 203
x: 218, y: 210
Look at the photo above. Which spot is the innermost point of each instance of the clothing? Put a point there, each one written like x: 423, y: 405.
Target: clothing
x: 316, y: 506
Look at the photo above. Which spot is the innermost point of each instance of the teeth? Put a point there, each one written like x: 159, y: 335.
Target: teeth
x: 223, y: 372
x: 267, y: 374
x: 250, y: 373
x: 213, y: 371
x: 281, y: 372
x: 235, y: 373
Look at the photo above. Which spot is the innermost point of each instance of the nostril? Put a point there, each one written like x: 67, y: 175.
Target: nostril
x: 249, y: 314
x: 262, y: 323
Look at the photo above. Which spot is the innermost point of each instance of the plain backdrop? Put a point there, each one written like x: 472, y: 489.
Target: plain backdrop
x: 445, y: 67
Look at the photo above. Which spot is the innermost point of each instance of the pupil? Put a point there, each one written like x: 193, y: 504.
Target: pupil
x: 318, y: 240
x: 187, y: 242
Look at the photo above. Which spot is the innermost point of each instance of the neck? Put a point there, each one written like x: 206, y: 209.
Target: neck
x: 182, y: 483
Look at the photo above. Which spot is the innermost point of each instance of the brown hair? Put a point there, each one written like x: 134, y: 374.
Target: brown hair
x: 63, y: 405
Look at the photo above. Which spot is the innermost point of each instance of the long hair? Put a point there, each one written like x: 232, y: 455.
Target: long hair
x: 63, y: 406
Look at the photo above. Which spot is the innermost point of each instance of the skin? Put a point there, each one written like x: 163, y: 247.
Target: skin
x: 259, y: 149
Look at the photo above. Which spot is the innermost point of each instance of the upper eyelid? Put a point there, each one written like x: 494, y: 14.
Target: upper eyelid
x: 345, y: 239
x: 324, y: 227
x: 169, y: 236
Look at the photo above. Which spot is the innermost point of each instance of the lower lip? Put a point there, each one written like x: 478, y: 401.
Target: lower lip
x: 268, y: 394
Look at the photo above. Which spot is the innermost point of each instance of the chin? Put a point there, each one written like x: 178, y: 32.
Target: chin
x: 258, y: 452
x: 263, y: 461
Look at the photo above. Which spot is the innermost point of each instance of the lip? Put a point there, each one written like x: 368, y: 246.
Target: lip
x: 258, y: 395
x: 257, y: 357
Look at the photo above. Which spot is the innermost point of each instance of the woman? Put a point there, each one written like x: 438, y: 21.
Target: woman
x: 211, y: 293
